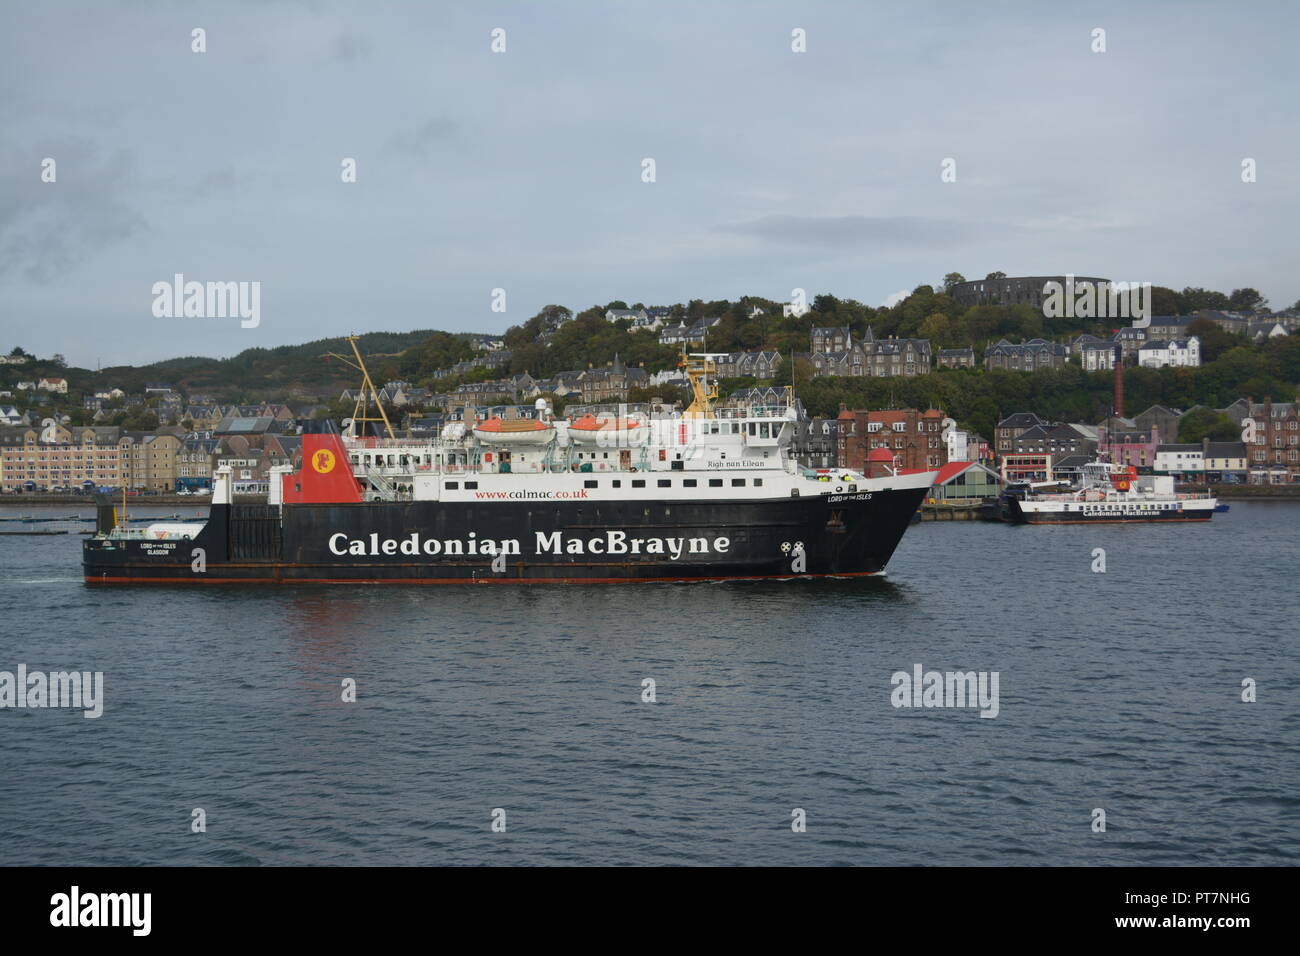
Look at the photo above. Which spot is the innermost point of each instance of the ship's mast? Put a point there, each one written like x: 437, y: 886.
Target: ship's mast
x: 360, y: 411
x: 702, y: 372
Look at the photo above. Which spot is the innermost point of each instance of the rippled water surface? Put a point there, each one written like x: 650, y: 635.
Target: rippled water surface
x: 1119, y: 690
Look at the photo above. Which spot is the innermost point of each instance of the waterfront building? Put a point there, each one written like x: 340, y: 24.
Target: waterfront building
x: 1057, y: 440
x: 1123, y: 443
x: 966, y: 480
x: 1275, y: 452
x: 913, y: 438
x: 59, y: 456
x: 1196, y: 461
x: 1011, y: 428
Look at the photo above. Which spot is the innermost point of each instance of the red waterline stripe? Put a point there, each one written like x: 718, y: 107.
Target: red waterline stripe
x: 272, y: 580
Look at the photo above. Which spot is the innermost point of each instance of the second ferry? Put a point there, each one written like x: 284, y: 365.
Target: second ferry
x: 1109, y: 493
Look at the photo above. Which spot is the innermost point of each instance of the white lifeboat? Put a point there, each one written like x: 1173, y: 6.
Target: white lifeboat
x: 524, y: 431
x: 608, y: 431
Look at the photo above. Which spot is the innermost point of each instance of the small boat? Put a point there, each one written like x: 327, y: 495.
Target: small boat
x: 1220, y: 508
x: 522, y: 431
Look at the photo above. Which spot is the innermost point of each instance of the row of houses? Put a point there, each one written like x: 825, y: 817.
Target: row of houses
x: 491, y: 360
x: 1269, y: 451
x: 835, y: 352
x: 610, y: 382
x: 54, y: 385
x: 58, y: 457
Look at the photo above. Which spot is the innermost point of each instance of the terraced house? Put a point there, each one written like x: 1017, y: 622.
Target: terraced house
x: 955, y: 358
x: 761, y: 365
x: 893, y: 357
x: 1026, y: 356
x: 835, y: 353
x: 149, y: 460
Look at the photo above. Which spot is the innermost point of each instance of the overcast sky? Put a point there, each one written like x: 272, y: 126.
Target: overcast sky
x: 522, y: 170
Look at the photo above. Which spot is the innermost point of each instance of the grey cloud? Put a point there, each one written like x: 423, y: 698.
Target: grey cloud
x: 47, y: 228
x: 353, y: 46
x: 849, y: 230
x: 217, y: 181
x: 418, y: 143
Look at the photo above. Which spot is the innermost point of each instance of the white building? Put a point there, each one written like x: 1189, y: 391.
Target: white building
x: 1178, y: 353
x: 1097, y: 356
x: 1179, y: 459
x: 647, y: 323
x: 59, y: 385
x: 959, y: 448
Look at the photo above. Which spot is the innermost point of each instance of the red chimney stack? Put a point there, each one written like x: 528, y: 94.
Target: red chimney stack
x: 1119, y: 382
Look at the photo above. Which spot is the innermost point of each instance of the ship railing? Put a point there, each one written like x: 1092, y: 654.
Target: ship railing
x: 362, y: 443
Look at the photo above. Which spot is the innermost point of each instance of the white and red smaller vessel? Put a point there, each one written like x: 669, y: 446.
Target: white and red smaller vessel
x: 1110, y: 492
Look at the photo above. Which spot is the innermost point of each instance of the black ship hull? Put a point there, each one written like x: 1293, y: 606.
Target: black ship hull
x: 427, y: 542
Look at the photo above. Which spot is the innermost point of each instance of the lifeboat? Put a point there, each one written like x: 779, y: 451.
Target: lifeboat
x: 523, y: 431
x: 607, y: 430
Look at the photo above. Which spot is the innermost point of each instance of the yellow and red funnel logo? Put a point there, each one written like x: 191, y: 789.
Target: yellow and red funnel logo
x: 324, y: 476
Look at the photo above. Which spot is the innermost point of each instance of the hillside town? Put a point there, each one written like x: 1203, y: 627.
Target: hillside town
x: 166, y: 438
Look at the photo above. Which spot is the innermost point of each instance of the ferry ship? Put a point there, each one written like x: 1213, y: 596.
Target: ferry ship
x: 1109, y: 492
x: 710, y: 494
